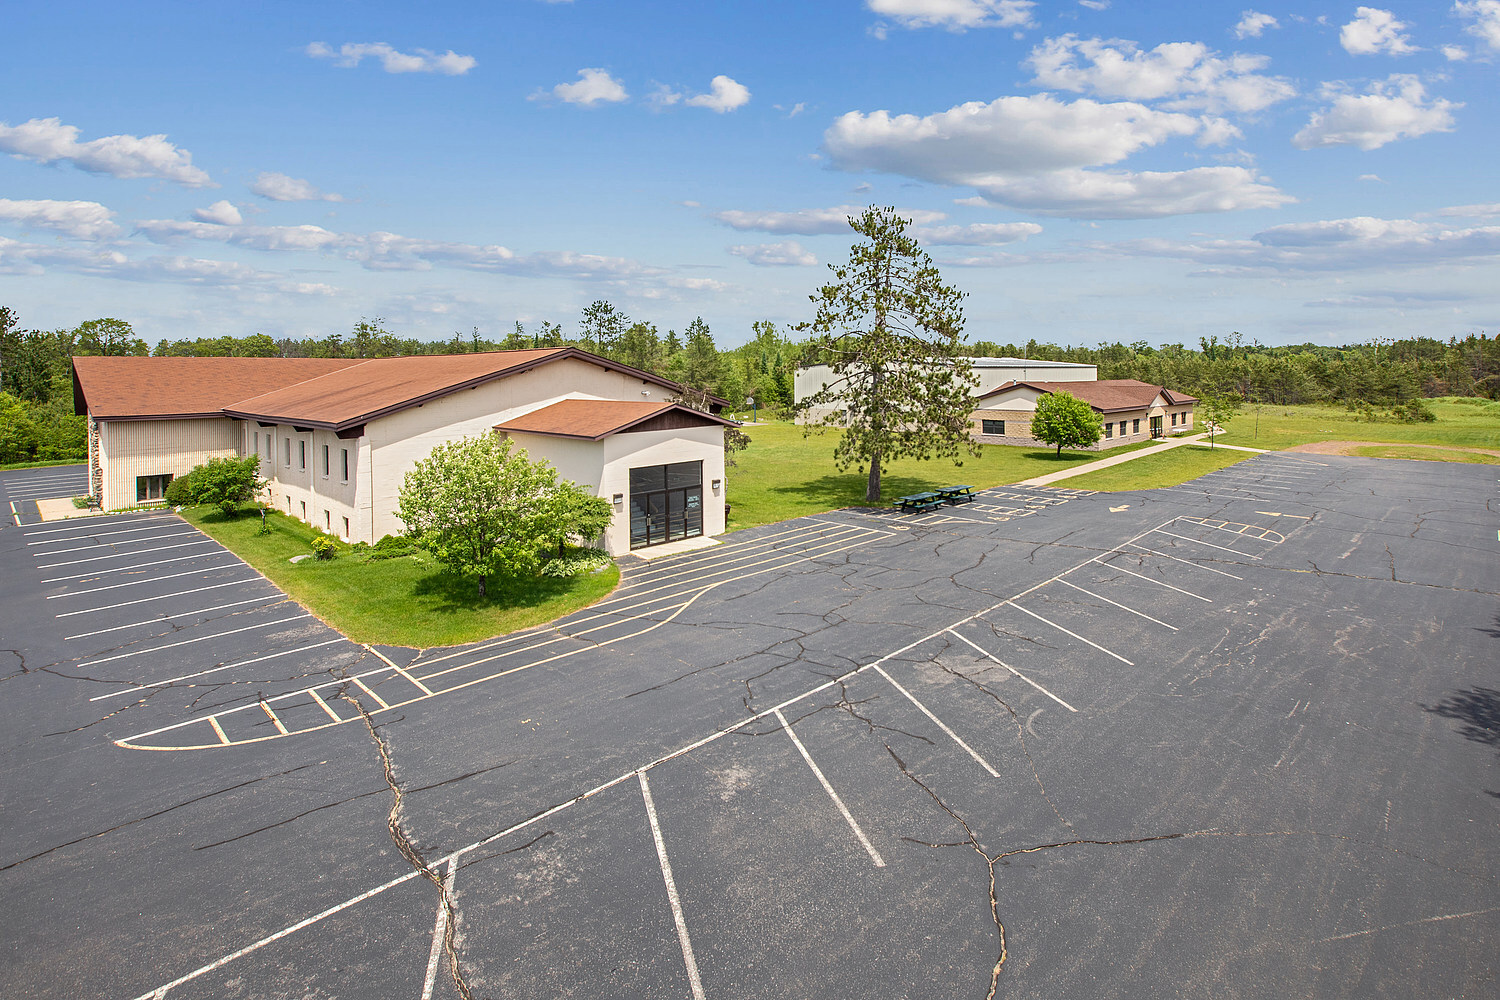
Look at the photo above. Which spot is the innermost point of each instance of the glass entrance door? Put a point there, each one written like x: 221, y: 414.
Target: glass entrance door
x: 666, y: 503
x: 1156, y: 427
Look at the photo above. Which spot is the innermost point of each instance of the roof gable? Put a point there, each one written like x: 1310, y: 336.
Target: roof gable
x: 597, y: 419
x: 1108, y: 396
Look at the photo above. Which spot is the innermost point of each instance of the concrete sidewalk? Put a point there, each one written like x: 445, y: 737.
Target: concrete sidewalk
x: 1105, y: 463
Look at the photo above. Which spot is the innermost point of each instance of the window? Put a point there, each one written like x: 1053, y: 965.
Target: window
x: 992, y: 426
x: 345, y: 453
x: 288, y: 505
x: 666, y: 503
x: 325, y: 461
x: 286, y: 452
x: 150, y: 487
x: 257, y: 442
x: 301, y: 454
x: 1135, y: 427
x: 1122, y: 428
x: 1109, y: 430
x: 346, y: 529
x: 304, y: 509
x: 328, y: 520
x: 1174, y: 420
x: 1187, y: 419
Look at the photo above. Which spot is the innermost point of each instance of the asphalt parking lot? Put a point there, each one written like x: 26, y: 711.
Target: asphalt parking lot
x: 1235, y: 739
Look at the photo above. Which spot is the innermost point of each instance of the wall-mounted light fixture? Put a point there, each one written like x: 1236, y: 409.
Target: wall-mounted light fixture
x: 717, y: 483
x: 619, y: 498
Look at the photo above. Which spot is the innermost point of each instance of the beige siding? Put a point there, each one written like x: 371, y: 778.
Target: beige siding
x: 131, y: 448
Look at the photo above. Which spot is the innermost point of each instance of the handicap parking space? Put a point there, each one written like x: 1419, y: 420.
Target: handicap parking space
x: 852, y: 754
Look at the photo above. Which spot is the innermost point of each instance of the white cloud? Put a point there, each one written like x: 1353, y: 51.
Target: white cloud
x: 956, y: 15
x: 220, y: 213
x: 1253, y: 24
x: 594, y: 86
x: 1485, y: 15
x: 350, y: 54
x: 1372, y: 178
x: 980, y: 234
x: 663, y: 97
x: 1336, y: 245
x: 1185, y: 74
x: 1030, y: 153
x: 1374, y: 31
x: 38, y: 259
x: 787, y: 254
x: 1094, y: 4
x: 1488, y: 211
x: 724, y: 95
x: 1455, y: 53
x: 48, y: 140
x: 1397, y: 108
x: 811, y: 221
x: 82, y: 220
x: 280, y: 187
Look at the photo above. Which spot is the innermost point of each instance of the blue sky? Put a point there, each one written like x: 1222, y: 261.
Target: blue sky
x: 1086, y: 171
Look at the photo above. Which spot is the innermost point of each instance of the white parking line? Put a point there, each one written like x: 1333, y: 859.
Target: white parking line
x: 985, y: 652
x: 189, y: 642
x: 107, y: 545
x: 1122, y: 569
x: 79, y: 530
x: 213, y: 670
x: 155, y: 526
x: 101, y: 572
x: 160, y: 597
x: 1117, y: 604
x: 1211, y: 545
x: 120, y: 555
x: 1185, y: 562
x: 167, y: 618
x: 154, y: 579
x: 666, y: 874
x: 439, y: 931
x: 843, y: 809
x: 940, y: 723
x: 1068, y: 632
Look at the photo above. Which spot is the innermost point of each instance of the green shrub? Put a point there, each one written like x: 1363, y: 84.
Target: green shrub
x: 324, y: 547
x: 181, y: 492
x: 576, y: 563
x: 82, y: 502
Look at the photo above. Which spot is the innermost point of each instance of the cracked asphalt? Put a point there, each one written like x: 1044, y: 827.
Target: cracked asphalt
x: 1236, y: 738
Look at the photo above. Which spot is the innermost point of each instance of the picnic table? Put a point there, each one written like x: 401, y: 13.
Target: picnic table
x: 919, y: 502
x: 956, y: 494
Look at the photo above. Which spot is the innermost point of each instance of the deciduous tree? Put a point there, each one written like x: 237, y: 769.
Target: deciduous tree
x: 1063, y: 419
x: 1216, y: 411
x: 480, y: 507
x: 891, y: 332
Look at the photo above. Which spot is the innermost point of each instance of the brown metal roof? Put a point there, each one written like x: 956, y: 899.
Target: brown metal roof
x: 1106, y: 396
x: 380, y: 386
x: 596, y: 419
x: 180, y: 388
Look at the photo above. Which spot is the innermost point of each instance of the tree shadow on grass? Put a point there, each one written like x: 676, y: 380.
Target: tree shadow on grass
x: 449, y: 593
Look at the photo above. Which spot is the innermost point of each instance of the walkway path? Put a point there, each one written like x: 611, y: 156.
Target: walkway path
x: 1129, y: 456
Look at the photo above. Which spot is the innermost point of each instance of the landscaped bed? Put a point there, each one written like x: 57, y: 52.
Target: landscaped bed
x: 394, y: 599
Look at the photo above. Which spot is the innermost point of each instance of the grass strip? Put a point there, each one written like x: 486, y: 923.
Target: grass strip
x: 1150, y: 472
x: 1425, y: 454
x: 406, y: 601
x: 1462, y: 421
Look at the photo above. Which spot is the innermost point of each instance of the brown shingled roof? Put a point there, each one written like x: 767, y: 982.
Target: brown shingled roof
x: 1106, y: 396
x: 178, y: 388
x: 596, y: 419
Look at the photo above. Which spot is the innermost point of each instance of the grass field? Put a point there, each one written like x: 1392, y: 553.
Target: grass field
x: 1420, y: 454
x: 1167, y: 468
x: 408, y: 601
x: 1461, y: 422
x: 783, y: 475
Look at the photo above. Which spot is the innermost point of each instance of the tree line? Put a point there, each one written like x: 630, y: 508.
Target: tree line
x: 36, y: 398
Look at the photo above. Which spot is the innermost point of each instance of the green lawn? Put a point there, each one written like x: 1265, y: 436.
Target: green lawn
x: 409, y: 601
x: 1461, y: 422
x: 783, y: 475
x: 8, y: 466
x: 1168, y: 468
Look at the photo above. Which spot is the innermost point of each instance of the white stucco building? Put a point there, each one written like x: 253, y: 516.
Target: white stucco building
x: 989, y: 374
x: 336, y: 437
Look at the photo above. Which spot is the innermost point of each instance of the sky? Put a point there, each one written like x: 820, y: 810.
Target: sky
x: 1086, y: 171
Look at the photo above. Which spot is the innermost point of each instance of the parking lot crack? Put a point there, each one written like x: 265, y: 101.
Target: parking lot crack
x: 410, y: 852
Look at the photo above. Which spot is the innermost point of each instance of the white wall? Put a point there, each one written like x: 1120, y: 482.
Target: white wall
x: 989, y: 374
